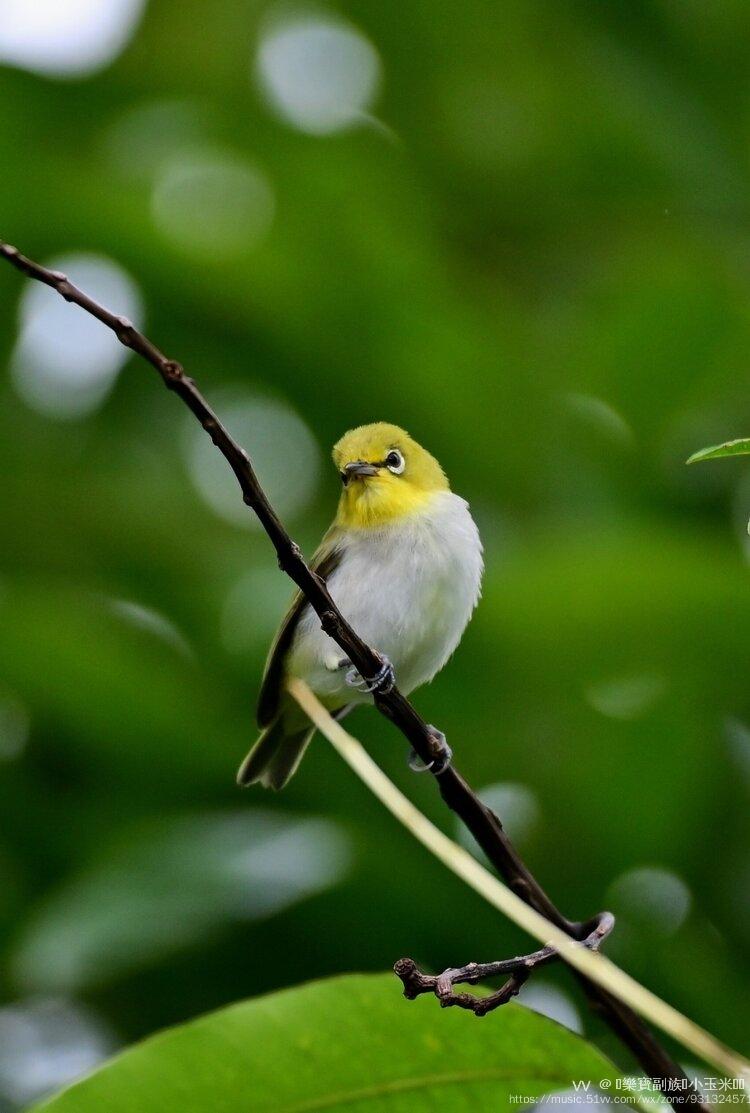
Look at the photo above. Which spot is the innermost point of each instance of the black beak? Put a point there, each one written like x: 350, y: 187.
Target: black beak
x: 356, y: 470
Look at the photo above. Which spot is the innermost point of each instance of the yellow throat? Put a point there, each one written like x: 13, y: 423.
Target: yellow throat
x: 386, y: 475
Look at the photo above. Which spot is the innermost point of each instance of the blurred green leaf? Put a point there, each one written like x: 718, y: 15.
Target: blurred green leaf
x: 167, y: 886
x: 349, y: 1042
x: 740, y: 447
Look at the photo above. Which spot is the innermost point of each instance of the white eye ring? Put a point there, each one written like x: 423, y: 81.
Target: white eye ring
x: 395, y: 462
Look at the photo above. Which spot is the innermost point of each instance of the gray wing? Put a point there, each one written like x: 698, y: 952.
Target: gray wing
x: 325, y: 561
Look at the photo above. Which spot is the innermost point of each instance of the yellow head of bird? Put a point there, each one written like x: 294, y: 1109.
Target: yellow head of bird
x: 385, y: 474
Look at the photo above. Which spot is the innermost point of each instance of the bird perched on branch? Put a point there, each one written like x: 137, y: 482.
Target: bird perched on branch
x: 403, y: 562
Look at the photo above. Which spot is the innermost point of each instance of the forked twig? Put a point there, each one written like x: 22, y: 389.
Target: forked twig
x: 520, y: 970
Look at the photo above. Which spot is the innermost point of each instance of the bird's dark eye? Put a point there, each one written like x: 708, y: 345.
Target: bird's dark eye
x: 395, y: 462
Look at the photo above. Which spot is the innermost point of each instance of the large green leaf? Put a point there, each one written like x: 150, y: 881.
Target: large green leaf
x: 350, y: 1043
x: 739, y: 447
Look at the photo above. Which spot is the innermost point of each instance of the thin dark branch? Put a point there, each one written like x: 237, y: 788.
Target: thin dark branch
x: 520, y: 970
x: 479, y: 819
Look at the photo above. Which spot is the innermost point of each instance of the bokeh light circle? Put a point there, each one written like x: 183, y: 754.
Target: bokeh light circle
x: 212, y: 205
x: 46, y: 1043
x: 652, y: 898
x: 549, y: 1000
x: 66, y: 37
x: 65, y: 362
x: 319, y: 74
x: 283, y: 451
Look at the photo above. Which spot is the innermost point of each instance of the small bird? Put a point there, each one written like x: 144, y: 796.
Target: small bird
x: 403, y: 562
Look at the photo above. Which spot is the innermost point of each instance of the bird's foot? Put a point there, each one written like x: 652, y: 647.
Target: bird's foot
x: 441, y: 760
x: 382, y: 682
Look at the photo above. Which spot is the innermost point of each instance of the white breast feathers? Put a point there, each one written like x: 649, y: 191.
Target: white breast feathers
x: 408, y: 588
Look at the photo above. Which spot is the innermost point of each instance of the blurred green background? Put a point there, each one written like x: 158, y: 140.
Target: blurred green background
x: 521, y: 231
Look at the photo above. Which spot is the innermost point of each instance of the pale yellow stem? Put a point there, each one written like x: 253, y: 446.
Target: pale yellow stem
x: 595, y: 966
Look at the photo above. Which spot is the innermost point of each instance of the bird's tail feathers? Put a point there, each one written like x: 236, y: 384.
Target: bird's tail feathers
x: 274, y: 758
